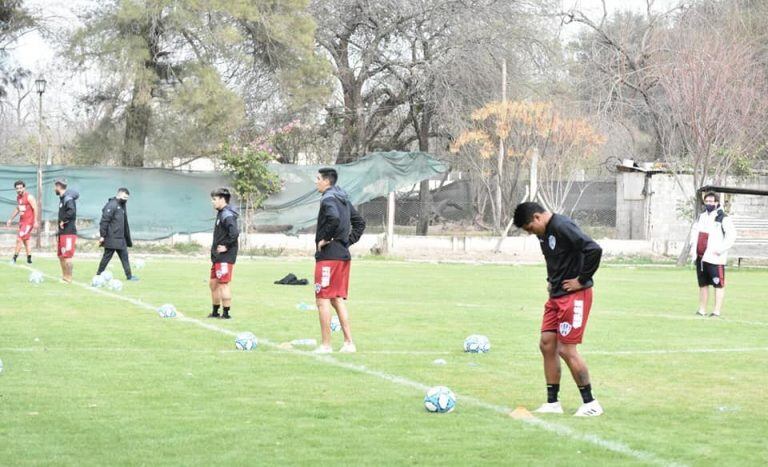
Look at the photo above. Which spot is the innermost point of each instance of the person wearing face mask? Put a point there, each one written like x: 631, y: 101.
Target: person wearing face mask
x: 711, y: 238
x: 114, y: 233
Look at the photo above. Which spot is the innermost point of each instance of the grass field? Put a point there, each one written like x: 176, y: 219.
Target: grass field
x: 90, y: 379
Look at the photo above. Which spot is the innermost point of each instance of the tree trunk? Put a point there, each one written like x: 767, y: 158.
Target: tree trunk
x: 425, y: 196
x: 137, y: 118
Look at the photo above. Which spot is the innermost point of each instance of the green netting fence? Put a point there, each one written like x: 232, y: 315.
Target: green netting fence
x: 165, y: 202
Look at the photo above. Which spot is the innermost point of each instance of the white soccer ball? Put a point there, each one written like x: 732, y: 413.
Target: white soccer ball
x: 477, y: 343
x: 439, y: 399
x: 246, y: 341
x: 36, y: 277
x: 98, y: 281
x: 1, y: 366
x: 167, y: 311
x: 335, y: 323
x: 138, y: 264
x: 107, y: 276
x: 115, y: 284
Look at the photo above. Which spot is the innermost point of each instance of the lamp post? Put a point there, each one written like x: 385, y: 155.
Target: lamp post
x: 40, y: 87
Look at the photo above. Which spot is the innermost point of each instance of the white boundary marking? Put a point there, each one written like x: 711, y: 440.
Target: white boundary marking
x: 562, y: 430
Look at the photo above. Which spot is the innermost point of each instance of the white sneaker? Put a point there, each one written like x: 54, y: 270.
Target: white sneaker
x: 590, y: 409
x: 323, y: 349
x: 550, y: 407
x: 700, y: 313
x: 348, y: 347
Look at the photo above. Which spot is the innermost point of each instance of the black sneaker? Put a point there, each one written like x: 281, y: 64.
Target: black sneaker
x: 714, y: 315
x: 29, y: 260
x: 214, y: 315
x: 226, y: 317
x: 700, y: 313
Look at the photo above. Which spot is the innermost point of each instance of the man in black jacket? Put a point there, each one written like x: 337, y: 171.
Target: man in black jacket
x: 114, y: 232
x: 572, y: 259
x: 338, y: 226
x: 67, y: 231
x: 223, y: 253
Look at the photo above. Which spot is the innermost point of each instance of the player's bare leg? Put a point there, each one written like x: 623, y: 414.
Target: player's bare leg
x: 340, y: 305
x: 226, y: 299
x: 66, y: 269
x: 324, y: 314
x: 719, y: 297
x: 703, y: 299
x: 580, y: 373
x: 213, y: 284
x: 17, y: 250
x: 548, y: 348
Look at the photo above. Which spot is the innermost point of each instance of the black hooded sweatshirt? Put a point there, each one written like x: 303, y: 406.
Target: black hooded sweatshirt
x: 569, y: 254
x: 339, y: 223
x: 113, y: 227
x: 68, y: 212
x: 225, y: 233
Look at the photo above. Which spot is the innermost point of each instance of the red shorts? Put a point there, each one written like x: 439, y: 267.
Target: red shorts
x: 332, y: 279
x: 25, y: 231
x: 567, y: 316
x: 66, y: 246
x: 222, y: 272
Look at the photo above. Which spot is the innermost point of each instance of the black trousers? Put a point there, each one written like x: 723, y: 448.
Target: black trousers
x: 123, y: 254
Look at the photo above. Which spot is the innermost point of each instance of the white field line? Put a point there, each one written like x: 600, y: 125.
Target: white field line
x: 562, y: 430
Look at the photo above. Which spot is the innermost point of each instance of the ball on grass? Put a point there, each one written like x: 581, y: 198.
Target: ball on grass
x: 167, y: 311
x: 98, y: 282
x: 138, y: 264
x: 335, y: 323
x: 477, y: 343
x: 36, y: 277
x: 439, y: 399
x: 115, y: 284
x: 107, y: 276
x: 246, y: 341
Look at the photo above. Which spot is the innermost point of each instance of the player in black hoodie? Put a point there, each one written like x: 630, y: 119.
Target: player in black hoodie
x: 223, y: 253
x: 338, y: 226
x: 572, y: 259
x: 67, y: 232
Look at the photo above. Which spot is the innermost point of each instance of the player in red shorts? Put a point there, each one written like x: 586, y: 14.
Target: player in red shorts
x: 572, y: 259
x: 223, y: 253
x: 67, y: 233
x: 338, y: 226
x: 29, y: 219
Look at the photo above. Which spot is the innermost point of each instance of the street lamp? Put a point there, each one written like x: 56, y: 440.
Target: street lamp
x: 40, y: 87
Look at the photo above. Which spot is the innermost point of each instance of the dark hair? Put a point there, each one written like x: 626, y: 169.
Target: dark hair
x: 62, y: 182
x: 221, y: 193
x: 329, y: 174
x: 19, y: 182
x: 524, y: 213
x: 712, y: 194
x: 124, y: 190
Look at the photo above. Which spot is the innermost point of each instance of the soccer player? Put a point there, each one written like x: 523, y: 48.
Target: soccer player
x: 338, y: 226
x: 711, y: 238
x: 29, y: 219
x: 223, y: 253
x: 114, y: 232
x: 572, y: 259
x: 67, y: 231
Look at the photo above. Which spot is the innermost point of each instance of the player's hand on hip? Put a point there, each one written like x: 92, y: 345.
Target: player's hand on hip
x: 572, y: 285
x: 322, y: 243
x: 221, y: 249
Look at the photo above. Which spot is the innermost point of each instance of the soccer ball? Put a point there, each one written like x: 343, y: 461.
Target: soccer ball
x: 335, y: 323
x: 98, y: 281
x: 246, y: 341
x: 115, y: 284
x: 138, y: 263
x: 477, y: 344
x: 1, y: 366
x: 167, y: 311
x: 439, y: 399
x: 107, y: 276
x: 36, y: 277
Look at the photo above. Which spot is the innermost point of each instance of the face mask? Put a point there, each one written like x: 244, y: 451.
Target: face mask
x: 122, y: 201
x: 710, y: 208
